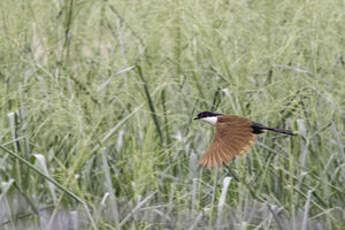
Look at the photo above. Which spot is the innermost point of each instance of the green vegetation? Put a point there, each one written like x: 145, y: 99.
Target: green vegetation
x: 97, y: 100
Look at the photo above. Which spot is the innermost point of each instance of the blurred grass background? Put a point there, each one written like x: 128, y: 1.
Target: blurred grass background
x: 99, y: 97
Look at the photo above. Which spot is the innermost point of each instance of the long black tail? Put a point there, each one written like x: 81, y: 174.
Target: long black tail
x: 258, y: 128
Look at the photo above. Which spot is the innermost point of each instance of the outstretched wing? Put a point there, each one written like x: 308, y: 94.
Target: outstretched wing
x: 234, y: 135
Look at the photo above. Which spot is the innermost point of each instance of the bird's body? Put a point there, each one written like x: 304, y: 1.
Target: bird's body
x: 234, y: 135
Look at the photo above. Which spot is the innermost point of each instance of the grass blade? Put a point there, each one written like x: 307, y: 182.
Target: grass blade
x: 306, y: 211
x: 222, y: 199
x: 150, y: 103
x: 110, y: 186
x: 48, y: 178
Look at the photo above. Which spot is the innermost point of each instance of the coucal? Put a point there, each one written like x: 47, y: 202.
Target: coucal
x: 234, y: 135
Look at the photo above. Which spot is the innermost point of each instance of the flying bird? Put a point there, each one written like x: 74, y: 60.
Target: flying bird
x: 234, y: 135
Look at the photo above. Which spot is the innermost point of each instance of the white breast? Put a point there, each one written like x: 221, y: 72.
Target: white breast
x: 211, y: 120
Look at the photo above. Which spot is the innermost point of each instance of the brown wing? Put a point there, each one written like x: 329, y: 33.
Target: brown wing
x: 234, y: 135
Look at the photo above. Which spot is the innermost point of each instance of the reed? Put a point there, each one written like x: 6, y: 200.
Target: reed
x: 97, y: 100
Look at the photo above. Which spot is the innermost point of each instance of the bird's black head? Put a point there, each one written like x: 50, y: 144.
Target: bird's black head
x: 206, y: 114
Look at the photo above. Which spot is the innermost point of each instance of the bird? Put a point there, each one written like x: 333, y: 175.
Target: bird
x: 233, y: 136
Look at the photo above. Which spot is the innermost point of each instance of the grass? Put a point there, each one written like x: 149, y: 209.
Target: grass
x: 97, y: 100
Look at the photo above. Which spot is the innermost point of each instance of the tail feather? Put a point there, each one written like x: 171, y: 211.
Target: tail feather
x: 258, y: 128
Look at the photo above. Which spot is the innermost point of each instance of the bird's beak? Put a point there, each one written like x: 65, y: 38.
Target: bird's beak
x: 196, y: 118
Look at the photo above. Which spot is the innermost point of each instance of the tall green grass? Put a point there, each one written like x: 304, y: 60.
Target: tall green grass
x: 97, y: 100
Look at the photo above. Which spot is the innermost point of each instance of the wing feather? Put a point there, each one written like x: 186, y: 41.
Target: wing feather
x: 233, y: 137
